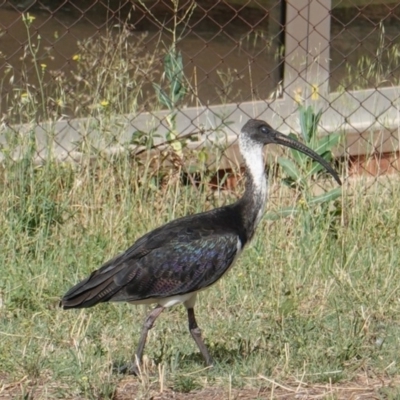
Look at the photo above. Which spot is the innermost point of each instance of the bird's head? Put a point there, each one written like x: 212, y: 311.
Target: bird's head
x: 260, y: 133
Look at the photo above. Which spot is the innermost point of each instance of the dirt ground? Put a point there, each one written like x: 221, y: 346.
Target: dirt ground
x: 363, y: 387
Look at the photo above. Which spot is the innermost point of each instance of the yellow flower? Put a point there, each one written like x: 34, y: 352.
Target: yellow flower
x: 302, y: 202
x: 76, y: 57
x: 43, y: 66
x: 314, y: 92
x: 28, y: 18
x: 298, y: 98
x: 25, y: 98
x: 104, y: 103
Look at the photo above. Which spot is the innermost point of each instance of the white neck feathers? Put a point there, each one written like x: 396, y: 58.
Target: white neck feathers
x: 252, y: 153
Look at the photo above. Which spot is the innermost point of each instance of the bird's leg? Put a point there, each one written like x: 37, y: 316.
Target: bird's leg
x: 196, y: 335
x: 148, y: 324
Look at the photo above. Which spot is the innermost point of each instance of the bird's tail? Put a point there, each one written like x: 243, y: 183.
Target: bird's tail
x: 97, y: 288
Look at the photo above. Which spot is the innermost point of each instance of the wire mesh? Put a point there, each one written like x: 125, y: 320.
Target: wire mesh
x: 117, y: 76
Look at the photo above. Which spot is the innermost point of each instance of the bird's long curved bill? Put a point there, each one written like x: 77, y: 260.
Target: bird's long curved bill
x: 294, y: 144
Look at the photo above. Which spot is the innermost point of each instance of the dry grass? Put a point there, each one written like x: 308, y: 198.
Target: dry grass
x: 361, y: 387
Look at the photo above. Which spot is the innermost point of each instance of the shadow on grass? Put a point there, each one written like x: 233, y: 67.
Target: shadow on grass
x: 222, y: 356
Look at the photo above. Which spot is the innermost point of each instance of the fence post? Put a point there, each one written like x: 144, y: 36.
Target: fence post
x: 307, y: 36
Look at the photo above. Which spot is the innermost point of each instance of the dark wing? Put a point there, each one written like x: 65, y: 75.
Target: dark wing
x: 156, y: 266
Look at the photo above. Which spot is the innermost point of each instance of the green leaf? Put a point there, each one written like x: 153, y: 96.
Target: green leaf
x: 304, y: 123
x: 327, y: 143
x: 326, y: 197
x: 179, y: 64
x: 169, y: 69
x: 309, y: 124
x: 203, y: 155
x: 162, y: 96
x: 176, y: 143
x: 317, y: 167
x: 290, y: 168
x: 289, y: 182
x: 177, y: 91
x: 282, y: 213
x: 315, y: 119
x: 173, y: 71
x: 173, y: 65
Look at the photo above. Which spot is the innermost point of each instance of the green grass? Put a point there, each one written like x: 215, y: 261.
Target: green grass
x: 316, y: 304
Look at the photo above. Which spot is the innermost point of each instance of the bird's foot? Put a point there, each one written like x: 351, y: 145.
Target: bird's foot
x: 129, y: 369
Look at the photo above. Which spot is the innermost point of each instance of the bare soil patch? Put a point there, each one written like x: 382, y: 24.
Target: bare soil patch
x: 362, y: 387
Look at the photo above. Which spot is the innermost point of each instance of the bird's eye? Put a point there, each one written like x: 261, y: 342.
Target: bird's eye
x: 264, y: 129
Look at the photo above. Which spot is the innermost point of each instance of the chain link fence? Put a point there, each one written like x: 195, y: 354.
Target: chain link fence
x: 117, y: 76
